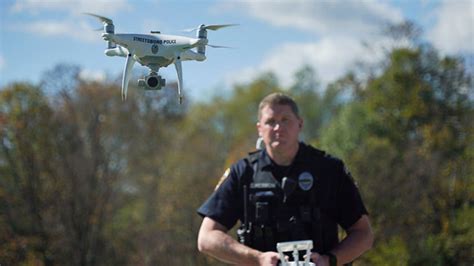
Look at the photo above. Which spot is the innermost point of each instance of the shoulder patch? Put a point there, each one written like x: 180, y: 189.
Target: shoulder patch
x: 223, y: 178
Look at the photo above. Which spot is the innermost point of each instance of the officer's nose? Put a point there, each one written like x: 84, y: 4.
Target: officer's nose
x: 277, y: 127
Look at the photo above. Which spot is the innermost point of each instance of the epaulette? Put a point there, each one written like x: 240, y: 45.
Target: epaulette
x: 317, y: 151
x: 311, y: 153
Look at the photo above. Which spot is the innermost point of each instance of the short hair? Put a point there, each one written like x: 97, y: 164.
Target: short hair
x: 278, y: 98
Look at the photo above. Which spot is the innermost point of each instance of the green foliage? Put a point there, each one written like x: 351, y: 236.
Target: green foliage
x: 392, y: 252
x: 306, y: 93
x: 344, y: 135
x: 24, y: 167
x: 407, y: 139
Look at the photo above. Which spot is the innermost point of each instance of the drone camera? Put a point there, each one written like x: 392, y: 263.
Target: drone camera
x: 152, y: 82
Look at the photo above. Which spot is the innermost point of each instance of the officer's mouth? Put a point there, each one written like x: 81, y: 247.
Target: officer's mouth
x: 279, y: 137
x: 278, y: 140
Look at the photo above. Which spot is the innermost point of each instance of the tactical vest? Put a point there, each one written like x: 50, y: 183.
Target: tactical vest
x: 279, y: 211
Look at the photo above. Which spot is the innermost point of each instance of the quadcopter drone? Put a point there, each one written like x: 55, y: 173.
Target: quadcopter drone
x: 155, y: 50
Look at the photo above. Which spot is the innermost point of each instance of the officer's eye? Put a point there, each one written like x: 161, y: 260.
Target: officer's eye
x: 282, y: 122
x: 270, y: 123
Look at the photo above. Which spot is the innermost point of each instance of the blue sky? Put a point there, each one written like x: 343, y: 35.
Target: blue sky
x: 278, y: 36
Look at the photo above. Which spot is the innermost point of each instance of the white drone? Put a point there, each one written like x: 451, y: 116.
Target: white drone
x: 155, y: 51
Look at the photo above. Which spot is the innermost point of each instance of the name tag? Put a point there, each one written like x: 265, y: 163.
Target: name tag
x: 263, y: 185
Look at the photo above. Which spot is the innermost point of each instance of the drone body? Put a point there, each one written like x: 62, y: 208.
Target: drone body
x: 154, y: 51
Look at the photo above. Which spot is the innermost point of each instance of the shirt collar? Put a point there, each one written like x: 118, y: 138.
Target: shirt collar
x: 265, y: 160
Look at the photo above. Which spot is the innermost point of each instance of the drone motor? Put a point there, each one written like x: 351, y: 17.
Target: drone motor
x: 110, y: 28
x: 201, y: 34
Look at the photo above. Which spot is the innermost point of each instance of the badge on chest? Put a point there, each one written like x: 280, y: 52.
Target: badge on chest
x: 305, y: 181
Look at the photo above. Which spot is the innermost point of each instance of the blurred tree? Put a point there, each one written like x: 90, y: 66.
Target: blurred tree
x: 318, y: 106
x: 87, y: 171
x: 408, y: 138
x: 190, y: 171
x: 25, y: 186
x: 306, y: 92
x: 61, y: 78
x: 152, y: 123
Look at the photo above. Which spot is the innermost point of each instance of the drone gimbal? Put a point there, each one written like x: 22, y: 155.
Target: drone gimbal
x: 152, y: 81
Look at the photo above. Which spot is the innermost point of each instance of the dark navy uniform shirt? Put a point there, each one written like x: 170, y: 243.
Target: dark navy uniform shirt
x: 338, y: 197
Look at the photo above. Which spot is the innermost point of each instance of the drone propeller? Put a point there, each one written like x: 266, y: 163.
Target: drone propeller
x: 210, y: 27
x: 217, y: 26
x: 108, y: 28
x: 101, y: 18
x: 218, y: 46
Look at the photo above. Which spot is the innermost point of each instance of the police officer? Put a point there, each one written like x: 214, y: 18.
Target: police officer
x: 285, y: 192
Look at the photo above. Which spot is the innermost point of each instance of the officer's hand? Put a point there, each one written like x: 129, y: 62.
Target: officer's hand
x: 268, y: 258
x: 320, y: 260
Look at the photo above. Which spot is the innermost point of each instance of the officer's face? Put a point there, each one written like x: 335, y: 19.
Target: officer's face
x: 279, y: 127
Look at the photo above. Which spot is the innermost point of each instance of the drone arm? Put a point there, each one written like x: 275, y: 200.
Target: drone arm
x: 179, y: 71
x: 126, y: 75
x: 191, y: 55
x: 117, y: 51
